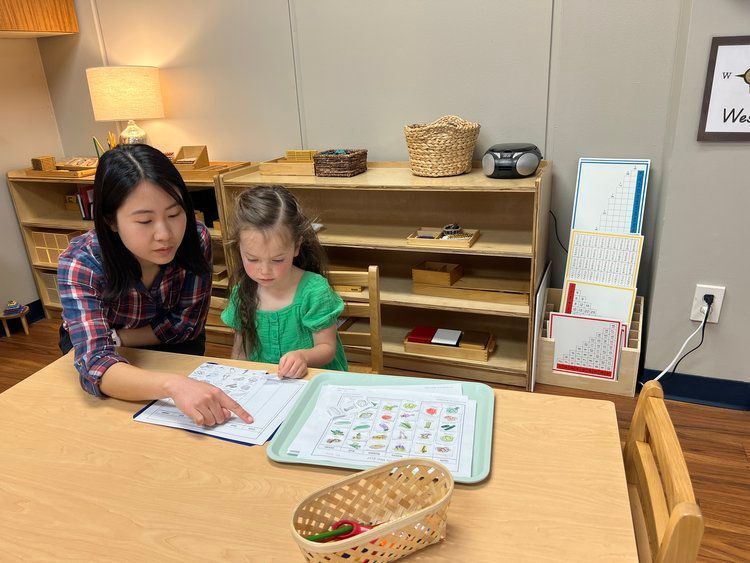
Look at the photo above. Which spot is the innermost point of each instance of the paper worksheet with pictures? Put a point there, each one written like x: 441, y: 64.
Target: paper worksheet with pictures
x: 265, y: 397
x: 370, y: 426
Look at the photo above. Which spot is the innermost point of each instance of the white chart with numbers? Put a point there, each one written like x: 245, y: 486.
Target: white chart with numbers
x: 370, y: 426
x: 586, y: 346
x: 603, y: 258
x: 265, y: 397
x: 594, y: 300
x: 610, y: 195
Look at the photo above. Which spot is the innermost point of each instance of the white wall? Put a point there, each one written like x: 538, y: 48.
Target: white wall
x: 610, y: 78
x: 226, y: 69
x: 366, y: 69
x: 704, y: 232
x: 27, y: 128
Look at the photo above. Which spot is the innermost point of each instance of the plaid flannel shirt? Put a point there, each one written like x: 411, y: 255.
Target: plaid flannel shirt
x: 175, y: 306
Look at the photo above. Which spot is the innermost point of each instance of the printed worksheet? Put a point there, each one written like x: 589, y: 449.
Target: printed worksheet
x: 603, y: 258
x: 370, y: 426
x: 264, y: 396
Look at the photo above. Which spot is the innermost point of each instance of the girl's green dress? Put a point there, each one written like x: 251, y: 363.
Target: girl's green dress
x: 315, y: 306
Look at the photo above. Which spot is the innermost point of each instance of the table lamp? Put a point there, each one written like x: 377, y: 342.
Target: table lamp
x: 126, y: 93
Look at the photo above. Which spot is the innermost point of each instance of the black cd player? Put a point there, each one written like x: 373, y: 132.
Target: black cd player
x: 511, y: 160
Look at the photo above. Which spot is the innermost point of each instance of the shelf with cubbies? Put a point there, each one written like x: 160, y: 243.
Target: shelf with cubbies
x: 367, y: 219
x: 48, y: 222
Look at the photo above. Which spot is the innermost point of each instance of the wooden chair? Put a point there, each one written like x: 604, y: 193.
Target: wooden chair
x: 668, y: 522
x: 351, y: 285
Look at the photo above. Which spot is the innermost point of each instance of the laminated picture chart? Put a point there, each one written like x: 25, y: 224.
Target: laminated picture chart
x: 586, y: 346
x: 610, y: 195
x: 372, y: 425
x: 595, y: 300
x: 267, y: 398
x: 604, y: 258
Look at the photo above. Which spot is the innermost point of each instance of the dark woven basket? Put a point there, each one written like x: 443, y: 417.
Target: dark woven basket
x: 342, y: 164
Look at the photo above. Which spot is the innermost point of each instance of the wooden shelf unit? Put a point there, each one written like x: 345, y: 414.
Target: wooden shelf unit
x: 367, y: 219
x: 39, y: 204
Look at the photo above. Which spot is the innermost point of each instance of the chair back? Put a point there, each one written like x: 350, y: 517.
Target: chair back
x: 668, y: 522
x: 360, y: 290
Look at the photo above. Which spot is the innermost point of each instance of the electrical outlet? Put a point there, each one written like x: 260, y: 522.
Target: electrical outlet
x: 700, y: 290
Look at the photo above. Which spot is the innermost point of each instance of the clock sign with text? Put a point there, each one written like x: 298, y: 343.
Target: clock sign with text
x: 725, y: 115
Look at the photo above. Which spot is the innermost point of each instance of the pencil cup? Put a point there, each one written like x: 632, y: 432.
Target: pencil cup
x: 406, y: 501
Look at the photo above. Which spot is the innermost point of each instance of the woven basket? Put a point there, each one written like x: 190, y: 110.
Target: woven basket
x: 342, y: 165
x: 408, y: 500
x: 441, y: 148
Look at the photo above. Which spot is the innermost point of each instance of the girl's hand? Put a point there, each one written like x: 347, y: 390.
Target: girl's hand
x: 205, y: 404
x: 293, y: 365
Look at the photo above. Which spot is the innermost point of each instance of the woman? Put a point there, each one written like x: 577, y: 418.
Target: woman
x: 141, y: 278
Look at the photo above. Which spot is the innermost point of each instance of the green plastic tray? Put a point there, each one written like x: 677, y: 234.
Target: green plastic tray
x: 481, y: 393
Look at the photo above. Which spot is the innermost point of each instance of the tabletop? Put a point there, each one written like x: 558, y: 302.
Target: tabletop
x: 79, y: 479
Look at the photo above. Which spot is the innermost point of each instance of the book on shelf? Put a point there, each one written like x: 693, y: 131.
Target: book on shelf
x: 85, y: 198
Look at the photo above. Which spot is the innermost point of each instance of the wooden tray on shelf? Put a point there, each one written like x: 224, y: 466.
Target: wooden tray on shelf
x: 207, y: 173
x: 285, y: 167
x: 508, y: 297
x: 472, y: 235
x: 463, y: 353
x: 60, y: 173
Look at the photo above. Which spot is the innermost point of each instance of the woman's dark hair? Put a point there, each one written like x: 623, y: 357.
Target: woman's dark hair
x: 119, y: 172
x: 265, y: 209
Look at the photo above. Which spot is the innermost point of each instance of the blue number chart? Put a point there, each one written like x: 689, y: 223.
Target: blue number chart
x: 610, y: 195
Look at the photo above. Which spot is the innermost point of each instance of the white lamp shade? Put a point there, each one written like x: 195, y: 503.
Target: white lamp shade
x: 121, y: 93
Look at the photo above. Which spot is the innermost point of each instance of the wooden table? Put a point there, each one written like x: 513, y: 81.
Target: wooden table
x: 79, y: 479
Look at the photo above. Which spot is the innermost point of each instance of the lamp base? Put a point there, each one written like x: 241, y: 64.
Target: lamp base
x: 132, y: 134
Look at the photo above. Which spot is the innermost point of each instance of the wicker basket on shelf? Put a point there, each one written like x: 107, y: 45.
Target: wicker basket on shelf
x: 341, y: 163
x: 443, y: 147
x: 406, y: 500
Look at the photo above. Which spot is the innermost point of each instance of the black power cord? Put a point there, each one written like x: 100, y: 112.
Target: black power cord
x: 709, y: 300
x: 556, y: 235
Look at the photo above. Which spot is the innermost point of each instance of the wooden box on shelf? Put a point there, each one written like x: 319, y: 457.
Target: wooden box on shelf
x: 285, y: 167
x: 477, y: 353
x: 300, y: 155
x: 191, y: 158
x: 43, y: 163
x: 194, y: 166
x: 436, y: 273
x: 48, y: 245
x: 629, y: 356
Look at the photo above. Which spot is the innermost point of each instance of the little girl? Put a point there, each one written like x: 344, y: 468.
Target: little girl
x: 281, y: 307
